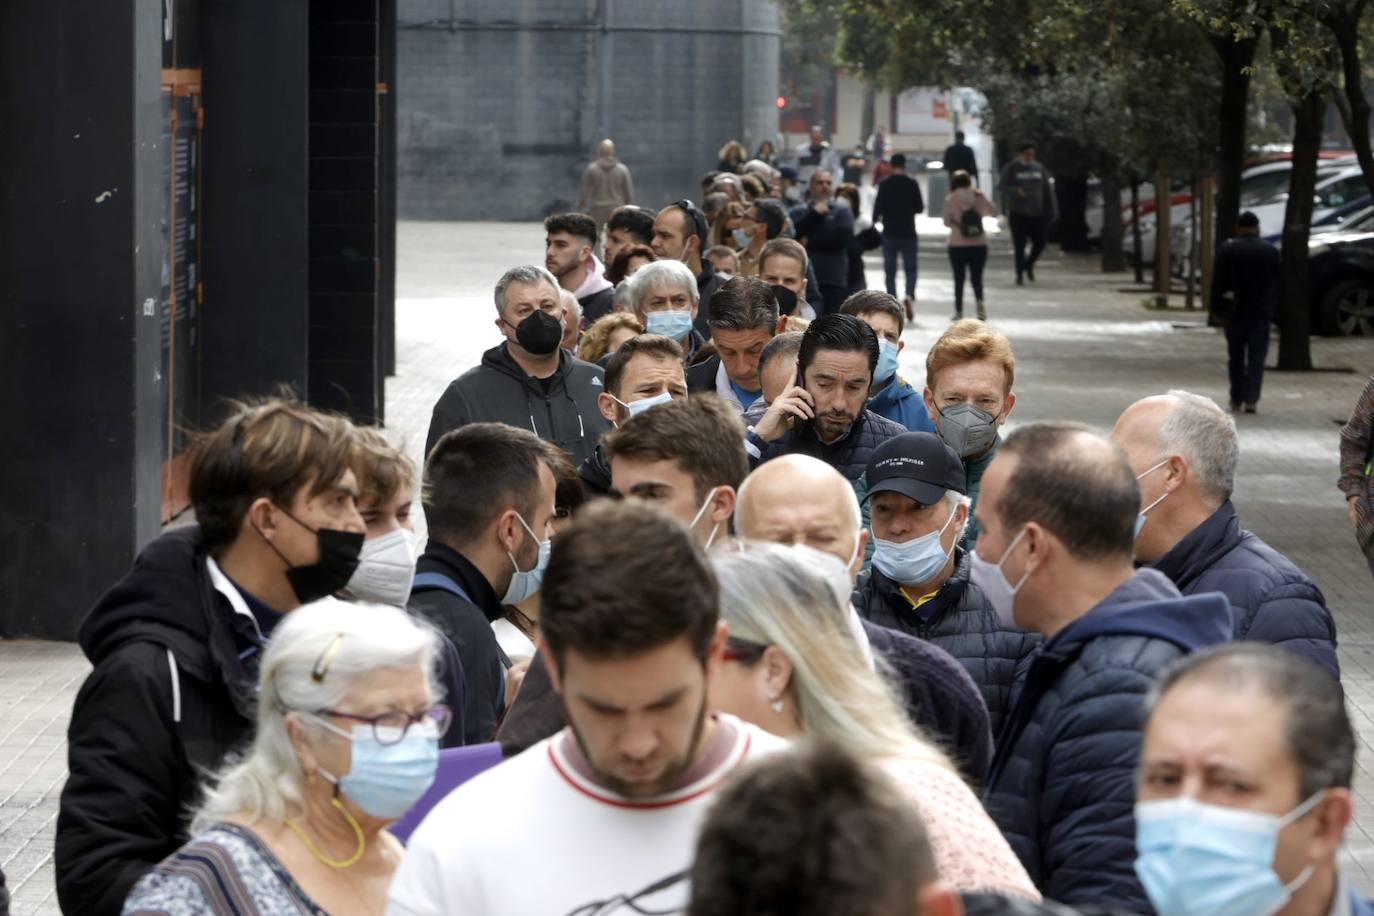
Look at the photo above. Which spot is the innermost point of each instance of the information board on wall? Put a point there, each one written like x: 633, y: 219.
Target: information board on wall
x: 923, y: 111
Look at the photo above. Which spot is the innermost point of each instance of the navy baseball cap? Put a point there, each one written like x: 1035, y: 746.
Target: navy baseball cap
x: 788, y: 172
x: 919, y: 466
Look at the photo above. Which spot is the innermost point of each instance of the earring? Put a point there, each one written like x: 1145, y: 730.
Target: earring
x: 776, y: 705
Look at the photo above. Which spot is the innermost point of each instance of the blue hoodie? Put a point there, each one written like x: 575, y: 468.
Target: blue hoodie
x: 1062, y: 783
x: 899, y: 402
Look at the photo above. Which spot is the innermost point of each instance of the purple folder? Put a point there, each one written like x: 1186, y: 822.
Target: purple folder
x: 456, y: 766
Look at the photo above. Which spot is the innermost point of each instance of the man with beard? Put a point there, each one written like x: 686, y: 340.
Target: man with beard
x: 823, y: 413
x: 568, y: 242
x: 630, y: 625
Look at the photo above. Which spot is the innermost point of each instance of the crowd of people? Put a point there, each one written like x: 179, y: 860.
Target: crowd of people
x: 751, y: 623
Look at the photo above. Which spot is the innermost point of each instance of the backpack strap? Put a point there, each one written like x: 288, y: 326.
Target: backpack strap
x: 432, y: 581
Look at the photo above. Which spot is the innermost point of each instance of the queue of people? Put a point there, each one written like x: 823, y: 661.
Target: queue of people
x: 751, y: 622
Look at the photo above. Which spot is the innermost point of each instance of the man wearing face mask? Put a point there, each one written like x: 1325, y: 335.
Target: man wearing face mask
x: 175, y: 644
x: 1058, y: 520
x: 680, y: 231
x: 685, y: 457
x: 799, y: 500
x: 969, y: 375
x: 919, y: 580
x: 488, y: 499
x: 1245, y: 788
x: 646, y: 371
x: 744, y: 317
x: 663, y: 296
x: 528, y: 381
x: 893, y: 397
x: 1184, y: 450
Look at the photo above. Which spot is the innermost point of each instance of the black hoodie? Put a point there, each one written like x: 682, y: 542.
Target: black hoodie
x: 168, y: 699
x: 499, y: 391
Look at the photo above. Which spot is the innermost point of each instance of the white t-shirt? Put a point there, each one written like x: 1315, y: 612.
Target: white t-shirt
x: 535, y: 836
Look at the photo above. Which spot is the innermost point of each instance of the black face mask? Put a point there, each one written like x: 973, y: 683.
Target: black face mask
x: 787, y: 300
x: 540, y: 333
x: 339, y: 553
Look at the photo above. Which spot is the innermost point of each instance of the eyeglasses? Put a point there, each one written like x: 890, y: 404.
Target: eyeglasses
x: 738, y: 650
x: 391, y: 727
x: 698, y: 220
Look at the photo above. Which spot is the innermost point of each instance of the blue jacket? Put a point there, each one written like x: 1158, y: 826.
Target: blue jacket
x: 960, y: 620
x: 899, y: 402
x: 1062, y: 783
x: 1272, y: 600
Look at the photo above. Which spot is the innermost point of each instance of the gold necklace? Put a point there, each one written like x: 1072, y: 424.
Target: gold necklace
x: 321, y: 857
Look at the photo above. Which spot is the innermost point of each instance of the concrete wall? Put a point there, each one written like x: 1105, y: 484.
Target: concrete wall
x: 501, y: 109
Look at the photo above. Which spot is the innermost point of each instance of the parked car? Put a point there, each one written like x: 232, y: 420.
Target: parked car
x: 1340, y: 277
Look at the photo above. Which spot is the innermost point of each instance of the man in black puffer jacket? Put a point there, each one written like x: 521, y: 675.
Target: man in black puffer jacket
x: 175, y: 644
x: 919, y: 579
x: 823, y: 414
x: 1058, y: 510
x: 1185, y: 450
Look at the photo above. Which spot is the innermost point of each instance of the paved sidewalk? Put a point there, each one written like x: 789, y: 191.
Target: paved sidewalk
x: 1084, y: 351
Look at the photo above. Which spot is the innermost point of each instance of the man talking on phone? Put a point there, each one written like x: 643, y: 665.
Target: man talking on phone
x: 823, y: 414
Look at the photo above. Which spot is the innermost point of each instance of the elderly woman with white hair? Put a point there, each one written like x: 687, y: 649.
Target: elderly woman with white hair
x: 793, y: 666
x: 664, y: 297
x: 347, y: 741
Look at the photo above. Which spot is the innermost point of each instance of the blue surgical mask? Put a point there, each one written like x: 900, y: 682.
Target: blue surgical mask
x: 386, y: 780
x: 887, y: 362
x: 526, y: 582
x: 913, y: 562
x: 638, y: 407
x: 675, y: 324
x: 1140, y: 519
x: 741, y: 240
x: 1196, y: 859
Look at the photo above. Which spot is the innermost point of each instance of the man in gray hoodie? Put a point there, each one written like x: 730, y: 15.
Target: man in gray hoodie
x: 528, y: 381
x: 1028, y: 201
x: 606, y: 185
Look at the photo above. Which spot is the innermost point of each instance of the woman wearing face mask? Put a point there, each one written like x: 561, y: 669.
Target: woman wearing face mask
x: 793, y: 666
x: 347, y: 741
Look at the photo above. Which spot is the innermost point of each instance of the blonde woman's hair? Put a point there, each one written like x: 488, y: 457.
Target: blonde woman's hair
x: 345, y: 641
x: 596, y: 340
x: 774, y: 595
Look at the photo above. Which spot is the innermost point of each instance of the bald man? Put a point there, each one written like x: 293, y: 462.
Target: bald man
x: 606, y: 185
x: 1184, y: 449
x: 1057, y: 510
x: 797, y: 499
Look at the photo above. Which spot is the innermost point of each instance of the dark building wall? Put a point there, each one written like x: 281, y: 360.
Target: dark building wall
x: 500, y: 109
x: 80, y: 279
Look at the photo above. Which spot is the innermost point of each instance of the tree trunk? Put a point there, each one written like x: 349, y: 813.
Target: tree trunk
x: 1070, y: 230
x: 1295, y: 342
x: 1235, y: 57
x: 1163, y: 238
x: 1113, y: 254
x: 1135, y: 230
x: 870, y: 113
x: 1355, y: 110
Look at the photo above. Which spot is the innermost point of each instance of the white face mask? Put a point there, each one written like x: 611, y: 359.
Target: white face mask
x: 1140, y: 519
x: 386, y: 568
x: 638, y: 407
x: 702, y: 511
x: 992, y: 582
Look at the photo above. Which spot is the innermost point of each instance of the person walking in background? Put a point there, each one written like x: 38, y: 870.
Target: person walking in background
x: 767, y: 154
x: 898, y: 201
x: 965, y: 208
x: 606, y: 185
x: 1244, y: 281
x: 959, y: 158
x: 1357, y: 453
x: 825, y: 225
x: 1028, y: 201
